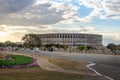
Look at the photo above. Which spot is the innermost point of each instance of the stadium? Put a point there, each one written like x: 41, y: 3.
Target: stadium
x: 70, y: 39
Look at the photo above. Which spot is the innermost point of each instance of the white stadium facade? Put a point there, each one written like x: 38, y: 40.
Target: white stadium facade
x: 70, y: 39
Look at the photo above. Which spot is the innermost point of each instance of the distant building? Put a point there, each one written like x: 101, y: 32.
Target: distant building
x: 72, y: 39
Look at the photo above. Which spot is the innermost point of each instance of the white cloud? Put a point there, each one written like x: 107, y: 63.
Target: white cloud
x: 111, y: 8
x: 112, y: 35
x: 103, y: 9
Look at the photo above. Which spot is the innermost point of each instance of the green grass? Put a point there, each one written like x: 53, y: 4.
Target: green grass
x: 35, y: 73
x: 16, y: 60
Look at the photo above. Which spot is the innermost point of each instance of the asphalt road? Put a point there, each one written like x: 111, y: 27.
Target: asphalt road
x: 107, y: 65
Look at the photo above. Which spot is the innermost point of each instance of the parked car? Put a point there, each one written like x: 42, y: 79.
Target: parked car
x: 36, y: 49
x: 50, y: 49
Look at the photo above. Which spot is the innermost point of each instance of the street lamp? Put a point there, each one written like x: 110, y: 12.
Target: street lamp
x: 85, y: 35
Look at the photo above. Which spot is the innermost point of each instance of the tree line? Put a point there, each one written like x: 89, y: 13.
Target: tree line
x: 35, y: 41
x: 114, y: 48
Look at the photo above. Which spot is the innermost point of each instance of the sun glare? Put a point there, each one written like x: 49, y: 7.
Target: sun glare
x: 3, y: 34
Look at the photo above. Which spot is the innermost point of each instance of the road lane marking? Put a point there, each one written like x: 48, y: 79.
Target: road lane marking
x: 93, y: 64
x: 108, y: 77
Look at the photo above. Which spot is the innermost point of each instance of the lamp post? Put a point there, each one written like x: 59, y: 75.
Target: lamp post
x: 85, y: 35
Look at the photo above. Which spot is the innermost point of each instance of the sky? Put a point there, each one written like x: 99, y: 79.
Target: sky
x: 20, y: 17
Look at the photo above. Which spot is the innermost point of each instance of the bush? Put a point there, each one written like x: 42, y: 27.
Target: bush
x: 80, y: 48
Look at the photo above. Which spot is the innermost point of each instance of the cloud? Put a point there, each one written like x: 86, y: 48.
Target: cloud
x: 104, y: 9
x: 111, y: 9
x: 42, y: 14
x: 21, y: 29
x: 48, y: 12
x: 15, y: 33
x: 112, y: 35
x: 1, y: 28
x: 10, y: 6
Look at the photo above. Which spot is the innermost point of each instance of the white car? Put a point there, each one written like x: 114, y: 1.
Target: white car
x: 36, y: 49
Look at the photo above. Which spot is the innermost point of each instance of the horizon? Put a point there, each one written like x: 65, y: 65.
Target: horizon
x: 100, y: 17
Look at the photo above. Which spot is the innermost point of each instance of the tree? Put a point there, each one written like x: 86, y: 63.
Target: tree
x: 2, y: 44
x: 80, y: 47
x: 49, y: 45
x: 32, y: 40
x: 112, y: 47
x: 38, y: 42
x: 65, y: 47
x: 9, y: 43
x: 118, y: 47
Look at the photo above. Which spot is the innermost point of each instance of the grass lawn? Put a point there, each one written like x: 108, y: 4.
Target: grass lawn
x: 65, y: 64
x: 35, y: 73
x: 69, y: 64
